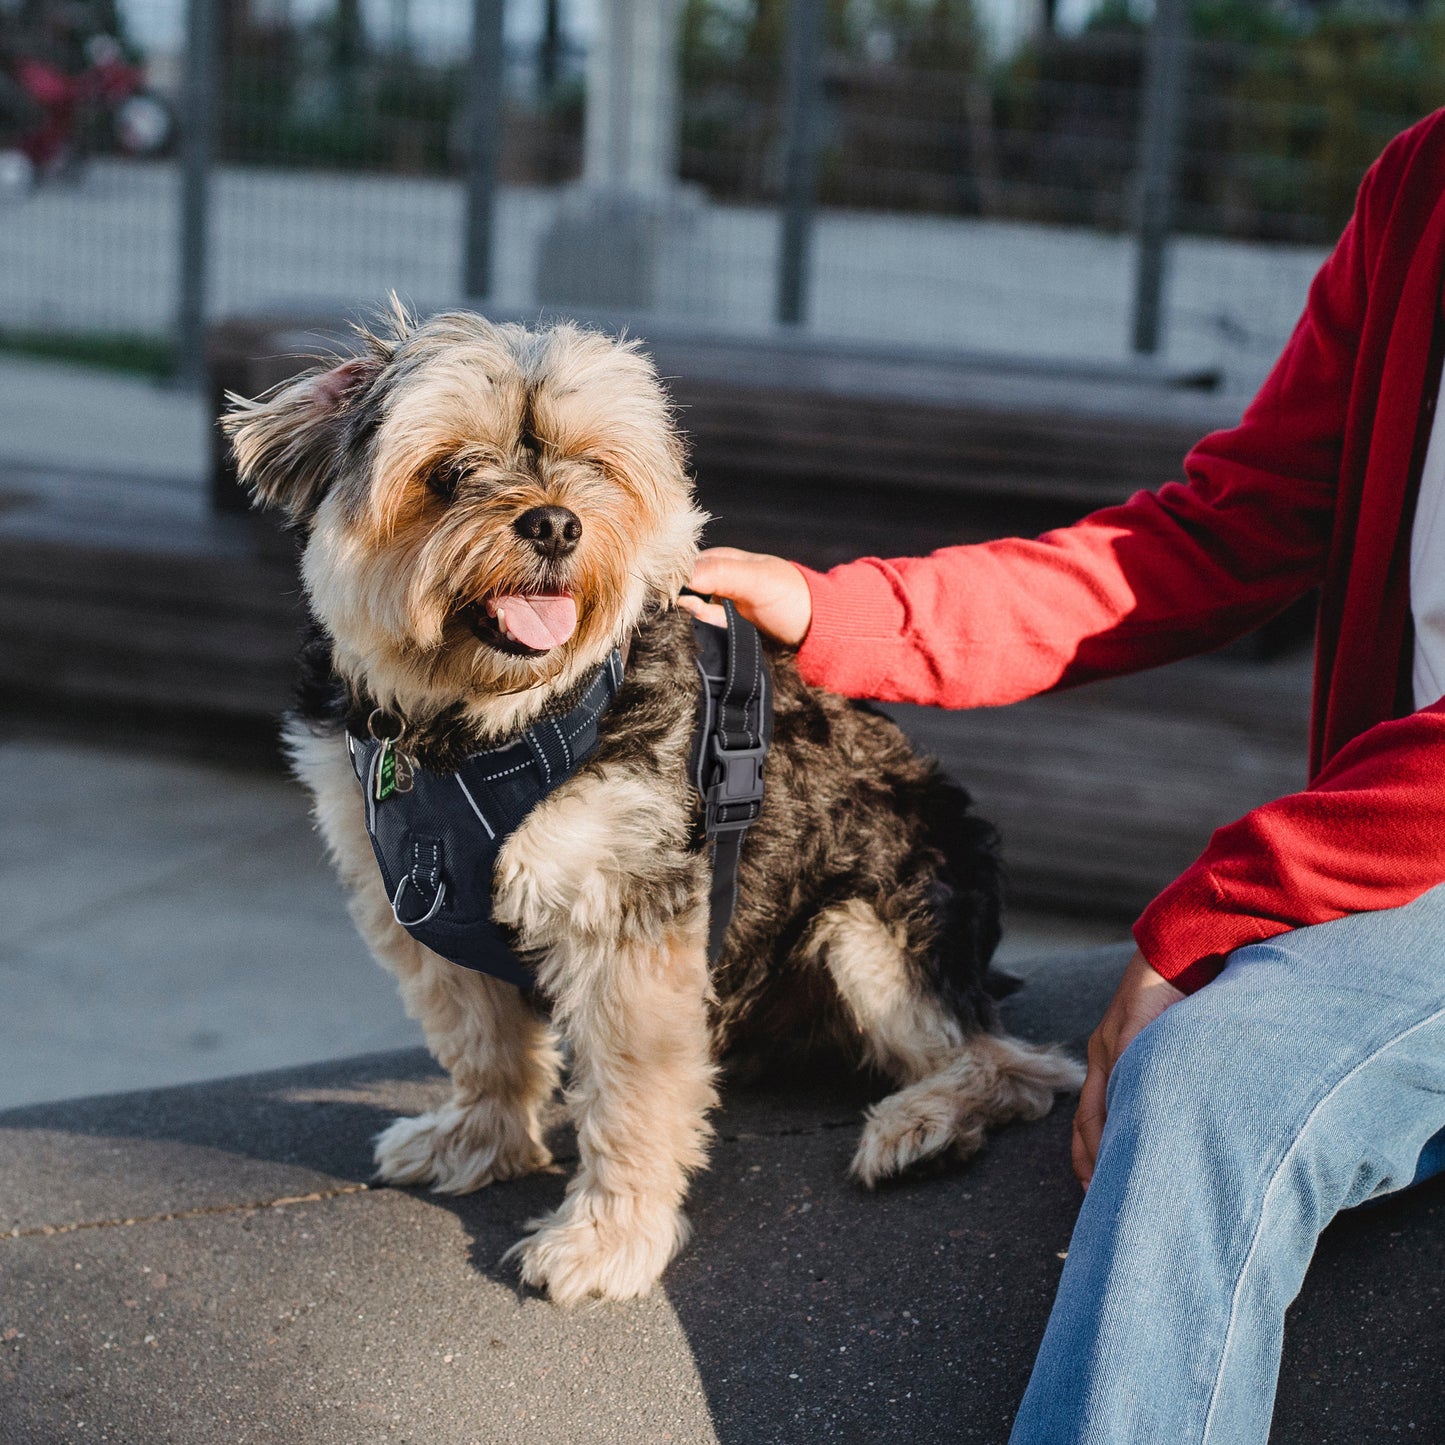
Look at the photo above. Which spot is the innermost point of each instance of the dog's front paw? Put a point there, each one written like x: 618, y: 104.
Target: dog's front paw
x: 456, y: 1150
x: 611, y: 1247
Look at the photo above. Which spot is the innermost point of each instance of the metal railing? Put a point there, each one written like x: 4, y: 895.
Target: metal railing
x: 889, y: 177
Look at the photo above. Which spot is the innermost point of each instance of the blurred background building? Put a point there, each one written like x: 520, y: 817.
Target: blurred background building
x: 968, y: 174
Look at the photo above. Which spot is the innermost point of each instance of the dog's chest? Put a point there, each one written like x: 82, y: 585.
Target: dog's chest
x: 437, y: 836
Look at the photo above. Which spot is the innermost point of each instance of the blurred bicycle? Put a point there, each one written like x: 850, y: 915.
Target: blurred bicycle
x: 65, y: 95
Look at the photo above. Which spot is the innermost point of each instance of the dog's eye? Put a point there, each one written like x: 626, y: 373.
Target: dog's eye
x: 444, y: 477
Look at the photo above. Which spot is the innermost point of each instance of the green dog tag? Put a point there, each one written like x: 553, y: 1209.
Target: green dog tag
x: 385, y: 772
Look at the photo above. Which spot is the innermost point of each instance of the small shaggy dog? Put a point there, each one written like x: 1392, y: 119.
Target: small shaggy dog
x: 487, y: 513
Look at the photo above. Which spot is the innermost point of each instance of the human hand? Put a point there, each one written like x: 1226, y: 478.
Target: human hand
x: 768, y: 591
x: 1141, y: 997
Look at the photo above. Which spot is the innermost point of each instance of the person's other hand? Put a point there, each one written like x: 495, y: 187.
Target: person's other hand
x: 1141, y: 997
x: 769, y: 591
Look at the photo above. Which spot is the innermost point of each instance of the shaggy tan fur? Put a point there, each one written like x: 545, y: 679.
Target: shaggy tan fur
x: 408, y: 467
x: 956, y: 1086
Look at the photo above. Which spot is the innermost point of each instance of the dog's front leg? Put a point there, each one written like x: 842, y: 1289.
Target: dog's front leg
x: 502, y: 1058
x: 641, y: 1087
x: 623, y: 924
x: 504, y: 1067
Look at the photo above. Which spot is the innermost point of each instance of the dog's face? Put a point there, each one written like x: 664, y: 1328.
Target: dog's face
x: 489, y: 510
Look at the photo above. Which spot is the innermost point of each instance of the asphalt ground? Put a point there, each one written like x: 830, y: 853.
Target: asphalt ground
x: 208, y: 1264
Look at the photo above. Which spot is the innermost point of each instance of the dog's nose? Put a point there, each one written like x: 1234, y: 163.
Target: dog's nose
x: 553, y: 531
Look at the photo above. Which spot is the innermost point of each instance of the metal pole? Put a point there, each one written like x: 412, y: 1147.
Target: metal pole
x: 200, y: 86
x: 1165, y: 71
x: 484, y: 143
x: 549, y: 51
x: 800, y: 181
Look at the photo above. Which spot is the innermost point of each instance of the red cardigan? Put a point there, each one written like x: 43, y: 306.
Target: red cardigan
x: 1316, y: 485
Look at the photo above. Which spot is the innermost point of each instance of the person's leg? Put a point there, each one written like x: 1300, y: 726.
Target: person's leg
x: 1308, y: 1077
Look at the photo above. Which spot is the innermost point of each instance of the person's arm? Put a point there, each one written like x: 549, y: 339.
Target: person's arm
x: 1367, y: 834
x: 1165, y: 575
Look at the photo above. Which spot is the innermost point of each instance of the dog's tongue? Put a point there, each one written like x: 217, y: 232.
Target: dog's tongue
x: 539, y: 620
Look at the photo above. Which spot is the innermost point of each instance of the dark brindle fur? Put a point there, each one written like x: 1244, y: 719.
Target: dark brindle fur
x: 851, y: 811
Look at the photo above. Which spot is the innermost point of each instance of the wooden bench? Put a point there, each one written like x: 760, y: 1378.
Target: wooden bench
x: 127, y: 593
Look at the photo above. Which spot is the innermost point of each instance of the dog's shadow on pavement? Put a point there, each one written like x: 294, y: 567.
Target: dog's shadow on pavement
x: 817, y: 1310
x: 812, y: 1309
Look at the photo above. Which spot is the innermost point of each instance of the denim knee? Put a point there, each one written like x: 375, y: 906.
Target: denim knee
x: 1201, y: 1093
x: 1162, y: 1069
x: 1189, y: 1089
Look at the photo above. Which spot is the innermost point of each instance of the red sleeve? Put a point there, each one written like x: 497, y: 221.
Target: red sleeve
x: 1368, y: 833
x: 1166, y: 575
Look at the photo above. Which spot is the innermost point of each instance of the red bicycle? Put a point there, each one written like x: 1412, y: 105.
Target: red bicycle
x: 58, y: 117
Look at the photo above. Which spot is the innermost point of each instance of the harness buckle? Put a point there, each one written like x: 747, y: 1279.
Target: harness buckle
x: 735, y: 796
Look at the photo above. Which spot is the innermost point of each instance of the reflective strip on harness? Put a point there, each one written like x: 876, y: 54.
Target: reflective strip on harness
x: 436, y: 844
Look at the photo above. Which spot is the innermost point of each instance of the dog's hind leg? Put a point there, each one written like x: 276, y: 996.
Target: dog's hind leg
x: 957, y: 1082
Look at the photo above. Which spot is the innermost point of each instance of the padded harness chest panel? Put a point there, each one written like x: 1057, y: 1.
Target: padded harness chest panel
x: 437, y: 843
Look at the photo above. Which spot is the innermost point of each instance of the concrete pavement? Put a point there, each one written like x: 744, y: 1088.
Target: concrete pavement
x: 804, y: 1309
x: 53, y: 413
x: 207, y: 1264
x: 170, y: 919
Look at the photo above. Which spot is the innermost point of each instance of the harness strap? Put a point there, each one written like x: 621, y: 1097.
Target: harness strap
x: 734, y: 743
x: 549, y: 751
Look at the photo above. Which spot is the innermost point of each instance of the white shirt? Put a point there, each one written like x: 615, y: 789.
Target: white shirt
x: 1427, y: 567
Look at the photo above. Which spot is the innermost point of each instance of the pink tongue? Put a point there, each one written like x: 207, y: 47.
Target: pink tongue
x: 539, y: 621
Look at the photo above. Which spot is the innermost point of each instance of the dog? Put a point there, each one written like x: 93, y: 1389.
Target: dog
x: 487, y: 512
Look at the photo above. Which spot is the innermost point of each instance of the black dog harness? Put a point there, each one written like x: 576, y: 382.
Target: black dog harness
x: 729, y: 746
x: 436, y: 836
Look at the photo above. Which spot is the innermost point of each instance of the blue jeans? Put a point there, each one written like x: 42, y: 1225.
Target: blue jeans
x: 1307, y: 1078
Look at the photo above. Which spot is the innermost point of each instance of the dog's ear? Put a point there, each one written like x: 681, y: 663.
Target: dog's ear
x: 288, y: 446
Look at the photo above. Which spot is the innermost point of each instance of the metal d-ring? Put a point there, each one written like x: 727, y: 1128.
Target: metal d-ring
x: 428, y: 915
x: 381, y: 712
